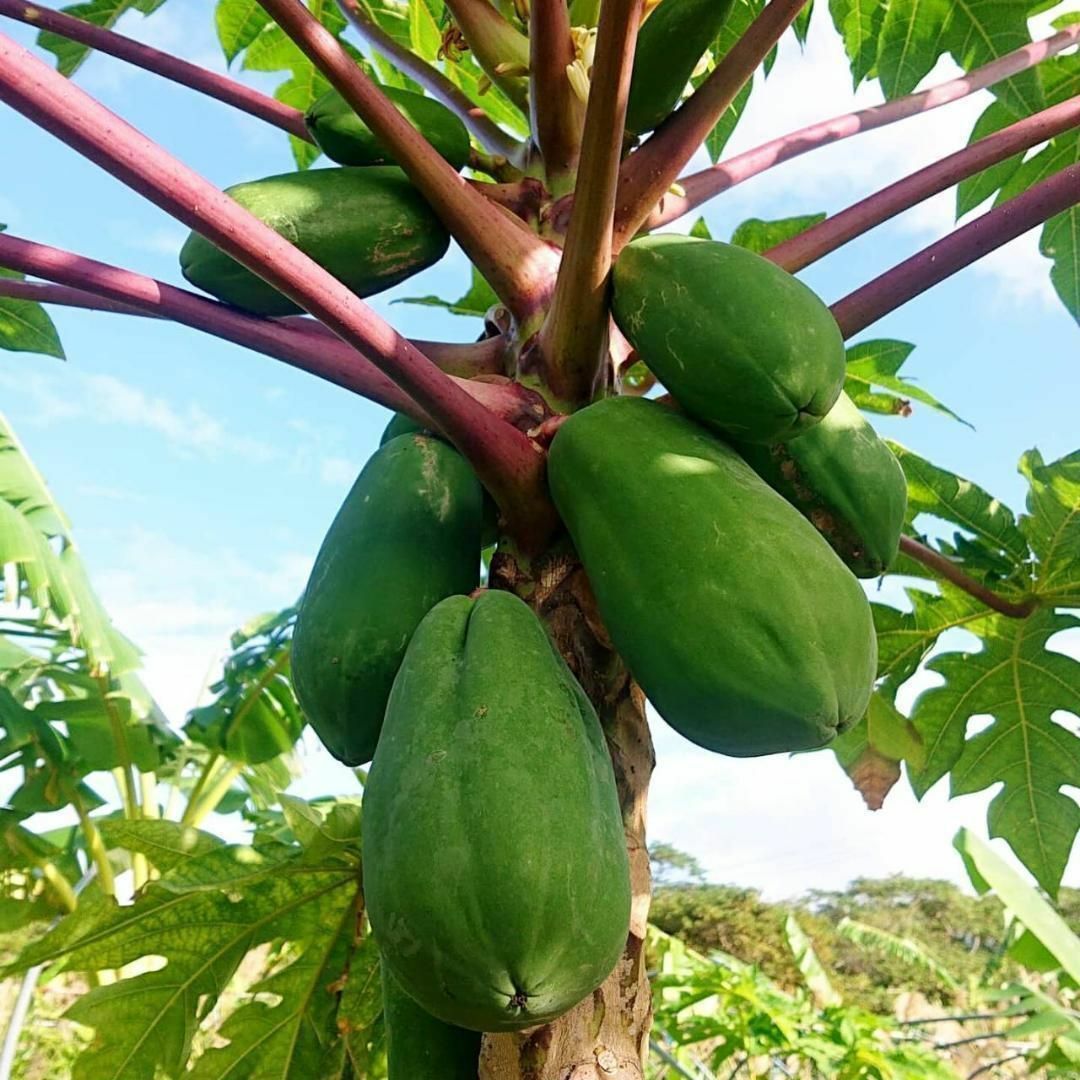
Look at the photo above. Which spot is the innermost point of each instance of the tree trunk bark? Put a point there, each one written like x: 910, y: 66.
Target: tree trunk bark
x: 605, y: 1037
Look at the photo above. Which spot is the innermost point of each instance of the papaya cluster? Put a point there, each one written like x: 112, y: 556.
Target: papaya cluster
x: 458, y: 695
x: 361, y: 220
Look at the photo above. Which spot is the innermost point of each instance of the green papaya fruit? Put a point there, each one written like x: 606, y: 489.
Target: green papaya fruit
x: 741, y: 345
x: 494, y: 859
x: 407, y: 535
x: 671, y: 42
x: 740, y: 623
x: 345, y: 138
x: 419, y: 1047
x: 370, y: 228
x: 846, y: 480
x: 401, y: 424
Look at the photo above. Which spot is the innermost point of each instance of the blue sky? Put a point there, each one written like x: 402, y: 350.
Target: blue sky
x: 200, y: 478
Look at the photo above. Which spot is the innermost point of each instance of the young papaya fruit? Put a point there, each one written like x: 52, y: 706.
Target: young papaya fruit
x: 419, y: 1047
x: 498, y: 890
x: 401, y: 424
x: 846, y: 480
x: 407, y: 535
x: 742, y: 345
x: 345, y: 138
x: 370, y: 228
x: 740, y: 623
x: 671, y: 42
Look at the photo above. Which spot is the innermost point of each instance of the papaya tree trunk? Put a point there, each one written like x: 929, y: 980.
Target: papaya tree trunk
x: 606, y: 1037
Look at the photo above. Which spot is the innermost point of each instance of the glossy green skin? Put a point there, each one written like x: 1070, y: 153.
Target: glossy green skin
x: 419, y: 1047
x: 401, y: 424
x: 407, y: 535
x: 345, y: 138
x: 741, y: 345
x: 671, y: 42
x: 370, y: 228
x: 846, y: 481
x: 742, y: 626
x: 495, y: 868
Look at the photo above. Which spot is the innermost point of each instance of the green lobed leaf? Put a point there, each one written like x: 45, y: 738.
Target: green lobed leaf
x: 859, y: 23
x: 1052, y: 524
x: 1019, y: 683
x: 936, y: 491
x: 876, y: 363
x: 909, y: 44
x: 476, y: 302
x: 167, y: 844
x: 239, y: 23
x: 975, y: 190
x: 146, y: 1022
x: 69, y: 54
x: 25, y: 325
x: 759, y: 236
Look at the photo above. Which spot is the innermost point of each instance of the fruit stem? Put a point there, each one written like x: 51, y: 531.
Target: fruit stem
x: 301, y: 343
x: 517, y: 264
x: 464, y: 360
x: 951, y: 572
x: 507, y: 463
x: 480, y: 125
x: 651, y: 170
x: 500, y: 49
x: 557, y: 111
x: 809, y: 246
x: 160, y: 63
x: 698, y: 188
x: 573, y: 340
x: 960, y: 248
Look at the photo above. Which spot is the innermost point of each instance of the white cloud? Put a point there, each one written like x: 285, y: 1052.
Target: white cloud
x: 105, y: 399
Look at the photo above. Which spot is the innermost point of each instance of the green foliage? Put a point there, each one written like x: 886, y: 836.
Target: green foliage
x: 25, y: 326
x: 873, y: 367
x: 70, y: 55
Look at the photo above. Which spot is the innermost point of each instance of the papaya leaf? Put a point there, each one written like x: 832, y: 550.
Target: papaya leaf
x: 742, y: 14
x: 759, y: 236
x: 801, y: 26
x: 254, y: 716
x: 238, y: 24
x: 909, y: 43
x: 69, y: 54
x: 25, y: 326
x: 936, y: 491
x: 859, y: 23
x: 1019, y: 683
x: 167, y: 844
x: 425, y: 31
x: 360, y: 1011
x: 476, y: 303
x: 1052, y: 524
x: 700, y: 230
x: 875, y: 364
x: 203, y: 916
x: 975, y: 190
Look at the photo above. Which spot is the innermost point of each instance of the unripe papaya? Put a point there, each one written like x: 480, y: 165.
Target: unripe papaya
x: 419, y: 1047
x: 407, y: 535
x: 740, y: 623
x: 845, y: 480
x: 401, y: 424
x: 345, y: 138
x: 742, y: 345
x: 671, y: 42
x: 370, y: 228
x: 494, y: 859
